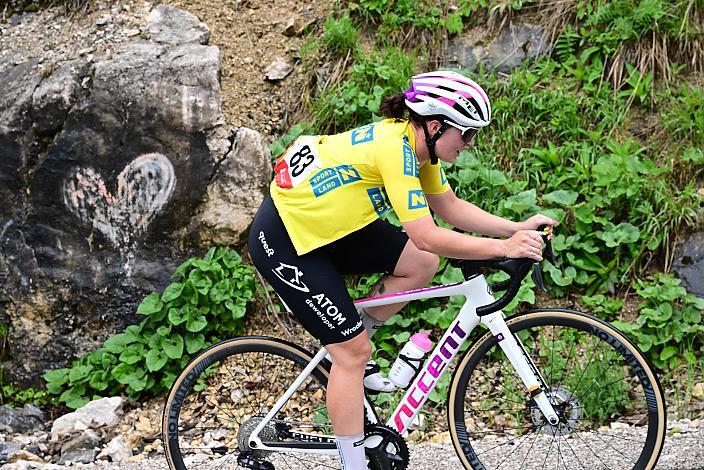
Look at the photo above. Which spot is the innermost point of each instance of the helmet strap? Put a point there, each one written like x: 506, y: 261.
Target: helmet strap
x: 430, y: 141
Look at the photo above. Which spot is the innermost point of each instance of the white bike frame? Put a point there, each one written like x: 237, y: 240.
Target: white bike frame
x: 477, y: 293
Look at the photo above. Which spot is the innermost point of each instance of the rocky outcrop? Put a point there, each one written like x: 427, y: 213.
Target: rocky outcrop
x: 112, y: 173
x: 515, y: 43
x: 689, y: 263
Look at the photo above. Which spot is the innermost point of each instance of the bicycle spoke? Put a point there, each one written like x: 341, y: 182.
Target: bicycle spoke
x: 618, y: 451
x: 569, y: 356
x: 591, y: 378
x: 514, y: 450
x: 548, y: 452
x: 592, y: 451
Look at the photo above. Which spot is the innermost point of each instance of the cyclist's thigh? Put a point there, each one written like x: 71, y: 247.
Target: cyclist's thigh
x: 375, y: 248
x: 310, y: 285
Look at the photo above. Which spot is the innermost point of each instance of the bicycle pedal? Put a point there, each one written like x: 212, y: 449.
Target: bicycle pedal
x: 246, y: 460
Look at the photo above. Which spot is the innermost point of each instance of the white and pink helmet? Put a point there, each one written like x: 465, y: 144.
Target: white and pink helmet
x: 449, y: 94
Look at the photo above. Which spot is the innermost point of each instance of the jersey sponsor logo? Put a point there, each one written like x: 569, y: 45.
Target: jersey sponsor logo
x: 363, y: 134
x: 348, y: 174
x: 269, y: 251
x: 299, y: 161
x: 410, y: 163
x: 331, y: 178
x: 380, y: 200
x: 291, y: 276
x: 416, y: 199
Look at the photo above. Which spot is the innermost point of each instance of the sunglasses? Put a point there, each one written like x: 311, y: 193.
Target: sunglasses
x: 468, y: 133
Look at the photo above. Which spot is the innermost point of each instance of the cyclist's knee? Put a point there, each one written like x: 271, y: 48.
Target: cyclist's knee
x: 430, y: 264
x: 353, y: 353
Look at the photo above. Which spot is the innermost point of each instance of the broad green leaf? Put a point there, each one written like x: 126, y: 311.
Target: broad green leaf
x: 667, y: 352
x: 521, y: 202
x: 133, y: 354
x: 151, y: 304
x: 164, y: 330
x: 179, y: 315
x: 452, y: 275
x: 156, y: 359
x: 196, y: 324
x: 99, y: 380
x: 172, y: 292
x: 116, y: 344
x: 561, y: 197
x: 194, y: 343
x: 57, y: 376
x: 79, y: 374
x: 173, y: 346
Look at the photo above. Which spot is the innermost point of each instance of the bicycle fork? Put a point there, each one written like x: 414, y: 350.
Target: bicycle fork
x: 522, y: 363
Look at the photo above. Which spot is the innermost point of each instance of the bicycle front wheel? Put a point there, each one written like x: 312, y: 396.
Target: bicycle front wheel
x: 606, y: 394
x: 226, y: 391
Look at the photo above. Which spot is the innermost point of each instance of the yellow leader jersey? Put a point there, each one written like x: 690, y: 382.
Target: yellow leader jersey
x: 329, y: 186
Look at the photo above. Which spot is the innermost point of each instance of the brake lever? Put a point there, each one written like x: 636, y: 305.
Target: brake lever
x: 548, y: 254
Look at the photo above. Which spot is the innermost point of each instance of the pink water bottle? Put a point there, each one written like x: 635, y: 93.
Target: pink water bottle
x: 410, y: 359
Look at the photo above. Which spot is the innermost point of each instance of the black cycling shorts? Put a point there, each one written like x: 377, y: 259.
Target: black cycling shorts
x: 311, y: 285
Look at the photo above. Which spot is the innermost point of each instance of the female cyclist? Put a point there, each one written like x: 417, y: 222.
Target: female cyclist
x: 322, y: 221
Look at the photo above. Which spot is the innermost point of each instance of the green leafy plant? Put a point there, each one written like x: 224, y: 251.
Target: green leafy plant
x: 206, y: 302
x: 14, y: 397
x: 340, y: 36
x: 668, y: 327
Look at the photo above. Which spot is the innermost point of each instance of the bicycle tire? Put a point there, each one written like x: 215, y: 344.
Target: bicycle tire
x: 199, y: 403
x: 598, y: 422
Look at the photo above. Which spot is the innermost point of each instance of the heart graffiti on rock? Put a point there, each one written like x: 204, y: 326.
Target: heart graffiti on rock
x: 143, y: 188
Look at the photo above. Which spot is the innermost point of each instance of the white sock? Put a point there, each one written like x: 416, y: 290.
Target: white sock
x: 351, y: 450
x: 370, y: 323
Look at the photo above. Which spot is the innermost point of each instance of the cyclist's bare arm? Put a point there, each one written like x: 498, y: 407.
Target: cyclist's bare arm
x: 466, y: 216
x: 427, y: 236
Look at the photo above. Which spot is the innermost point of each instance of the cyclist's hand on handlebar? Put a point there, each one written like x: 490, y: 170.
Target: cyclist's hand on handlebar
x: 538, y: 220
x: 524, y: 244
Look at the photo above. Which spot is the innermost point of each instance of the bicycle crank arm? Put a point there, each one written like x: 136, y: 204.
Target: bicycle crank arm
x: 522, y: 364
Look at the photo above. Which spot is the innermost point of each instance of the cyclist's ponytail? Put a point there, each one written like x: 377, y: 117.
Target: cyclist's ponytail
x: 393, y: 106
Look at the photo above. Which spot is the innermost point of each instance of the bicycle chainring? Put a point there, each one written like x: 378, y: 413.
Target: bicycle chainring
x: 385, y: 448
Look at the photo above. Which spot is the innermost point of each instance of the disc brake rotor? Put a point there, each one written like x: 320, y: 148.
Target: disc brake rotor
x: 568, y: 409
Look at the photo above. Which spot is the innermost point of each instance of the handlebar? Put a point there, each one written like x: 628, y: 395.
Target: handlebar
x: 516, y: 268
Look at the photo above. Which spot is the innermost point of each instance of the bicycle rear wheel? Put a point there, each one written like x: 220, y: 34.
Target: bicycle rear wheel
x: 224, y: 392
x: 610, y: 403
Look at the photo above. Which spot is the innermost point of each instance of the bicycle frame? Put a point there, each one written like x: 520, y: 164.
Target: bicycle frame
x: 477, y: 293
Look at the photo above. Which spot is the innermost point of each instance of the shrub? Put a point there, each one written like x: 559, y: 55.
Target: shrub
x: 206, y: 303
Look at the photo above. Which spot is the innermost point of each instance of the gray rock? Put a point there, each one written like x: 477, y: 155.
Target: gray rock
x: 86, y: 211
x: 278, y: 70
x: 20, y: 420
x: 82, y: 448
x: 236, y: 191
x: 106, y: 168
x: 515, y: 43
x: 100, y: 412
x: 689, y: 263
x: 56, y: 95
x: 117, y: 450
x: 8, y: 449
x: 170, y: 25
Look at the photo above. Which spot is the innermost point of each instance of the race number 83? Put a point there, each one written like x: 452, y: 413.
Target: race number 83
x: 299, y: 161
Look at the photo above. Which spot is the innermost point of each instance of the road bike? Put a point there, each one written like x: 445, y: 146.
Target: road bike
x: 549, y: 388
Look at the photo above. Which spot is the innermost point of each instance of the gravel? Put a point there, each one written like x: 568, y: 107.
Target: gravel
x: 683, y: 450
